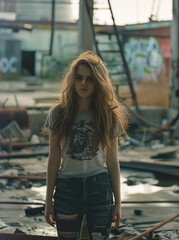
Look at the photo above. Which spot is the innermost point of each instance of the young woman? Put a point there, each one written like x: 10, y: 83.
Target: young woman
x: 83, y: 168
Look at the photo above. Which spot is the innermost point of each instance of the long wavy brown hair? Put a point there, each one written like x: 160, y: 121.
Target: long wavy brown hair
x: 107, y: 112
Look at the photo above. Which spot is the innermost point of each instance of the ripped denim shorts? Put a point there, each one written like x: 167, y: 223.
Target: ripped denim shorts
x: 76, y: 197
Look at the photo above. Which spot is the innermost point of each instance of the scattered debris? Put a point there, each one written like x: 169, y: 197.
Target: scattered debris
x: 145, y: 149
x: 166, y: 154
x: 138, y: 212
x: 12, y: 130
x: 33, y: 211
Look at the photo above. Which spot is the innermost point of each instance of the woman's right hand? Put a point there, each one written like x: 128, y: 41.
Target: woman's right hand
x: 49, y: 214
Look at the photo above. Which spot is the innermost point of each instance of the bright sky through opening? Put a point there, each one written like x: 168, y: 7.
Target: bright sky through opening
x: 131, y: 11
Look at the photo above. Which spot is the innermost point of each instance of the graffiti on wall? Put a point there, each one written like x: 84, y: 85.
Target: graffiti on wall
x: 8, y: 65
x: 144, y: 59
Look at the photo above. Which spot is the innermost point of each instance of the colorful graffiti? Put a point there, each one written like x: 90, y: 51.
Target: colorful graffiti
x: 144, y: 59
x: 8, y: 64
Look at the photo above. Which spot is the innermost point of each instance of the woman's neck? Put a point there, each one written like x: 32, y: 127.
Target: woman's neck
x: 84, y: 105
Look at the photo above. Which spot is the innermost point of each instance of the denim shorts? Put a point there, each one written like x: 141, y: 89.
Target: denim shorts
x: 76, y: 197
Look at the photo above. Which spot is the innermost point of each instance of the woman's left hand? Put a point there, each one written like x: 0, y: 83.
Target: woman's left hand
x: 116, y: 216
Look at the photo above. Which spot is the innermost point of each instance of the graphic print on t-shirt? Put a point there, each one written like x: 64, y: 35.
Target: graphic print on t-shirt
x: 80, y: 141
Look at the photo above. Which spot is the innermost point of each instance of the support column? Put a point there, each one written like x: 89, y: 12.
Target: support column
x: 84, y: 33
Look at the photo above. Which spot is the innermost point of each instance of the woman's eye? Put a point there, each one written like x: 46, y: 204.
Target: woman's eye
x: 89, y: 79
x: 79, y: 78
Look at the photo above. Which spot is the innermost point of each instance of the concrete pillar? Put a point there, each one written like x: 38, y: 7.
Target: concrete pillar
x: 84, y: 33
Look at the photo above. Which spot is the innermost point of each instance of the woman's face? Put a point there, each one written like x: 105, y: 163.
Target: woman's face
x: 84, y: 82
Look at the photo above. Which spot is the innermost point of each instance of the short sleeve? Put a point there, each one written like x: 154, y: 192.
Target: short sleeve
x: 52, y: 116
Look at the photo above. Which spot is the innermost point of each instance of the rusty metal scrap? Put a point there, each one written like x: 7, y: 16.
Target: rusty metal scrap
x: 18, y: 114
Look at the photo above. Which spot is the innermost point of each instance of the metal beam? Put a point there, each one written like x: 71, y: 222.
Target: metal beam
x: 52, y: 27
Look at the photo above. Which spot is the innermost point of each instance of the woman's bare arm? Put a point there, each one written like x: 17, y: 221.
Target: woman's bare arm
x: 114, y: 173
x: 54, y: 161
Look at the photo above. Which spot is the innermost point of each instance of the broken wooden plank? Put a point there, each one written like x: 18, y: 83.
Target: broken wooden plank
x: 19, y: 145
x: 165, y: 154
x: 23, y: 154
x: 29, y: 177
x: 155, y: 227
x: 168, y: 168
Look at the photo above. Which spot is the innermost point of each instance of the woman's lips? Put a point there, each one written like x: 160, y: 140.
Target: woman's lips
x: 83, y: 89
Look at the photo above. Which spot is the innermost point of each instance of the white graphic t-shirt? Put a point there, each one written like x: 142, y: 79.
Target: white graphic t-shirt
x: 78, y: 157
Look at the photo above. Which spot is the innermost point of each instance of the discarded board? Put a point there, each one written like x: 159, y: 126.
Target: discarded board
x: 29, y: 177
x: 168, y: 168
x: 20, y: 144
x: 155, y: 227
x: 23, y: 154
x: 165, y: 154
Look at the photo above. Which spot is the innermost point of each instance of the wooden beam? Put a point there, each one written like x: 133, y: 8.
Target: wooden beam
x: 23, y: 154
x: 29, y: 177
x: 155, y: 227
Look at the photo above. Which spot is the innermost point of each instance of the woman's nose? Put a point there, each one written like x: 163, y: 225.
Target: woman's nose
x: 83, y: 81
